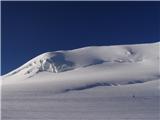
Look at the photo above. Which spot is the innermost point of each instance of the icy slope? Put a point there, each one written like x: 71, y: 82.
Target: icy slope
x: 92, y: 83
x: 99, y: 103
x: 61, y: 61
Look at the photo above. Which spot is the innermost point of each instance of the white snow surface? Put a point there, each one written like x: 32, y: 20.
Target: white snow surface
x: 118, y: 82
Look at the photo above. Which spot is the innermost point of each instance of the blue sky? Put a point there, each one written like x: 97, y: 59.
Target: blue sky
x: 32, y: 28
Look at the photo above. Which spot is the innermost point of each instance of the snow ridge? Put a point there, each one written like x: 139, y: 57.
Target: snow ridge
x: 61, y: 61
x: 92, y: 83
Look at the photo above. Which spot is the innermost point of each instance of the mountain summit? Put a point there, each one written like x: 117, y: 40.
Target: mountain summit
x: 98, y: 82
x: 91, y: 58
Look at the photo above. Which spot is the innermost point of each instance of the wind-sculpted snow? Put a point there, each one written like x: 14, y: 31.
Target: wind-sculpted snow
x: 89, y: 67
x: 51, y: 62
x: 61, y: 61
x: 91, y: 83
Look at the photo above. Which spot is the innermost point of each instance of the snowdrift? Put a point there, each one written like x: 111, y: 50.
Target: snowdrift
x: 91, y: 83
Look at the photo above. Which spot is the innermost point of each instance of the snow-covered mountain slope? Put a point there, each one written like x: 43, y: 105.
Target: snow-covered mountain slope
x: 123, y: 64
x: 61, y: 61
x: 92, y: 83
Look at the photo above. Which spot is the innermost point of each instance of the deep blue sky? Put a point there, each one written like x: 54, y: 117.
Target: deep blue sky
x: 32, y: 28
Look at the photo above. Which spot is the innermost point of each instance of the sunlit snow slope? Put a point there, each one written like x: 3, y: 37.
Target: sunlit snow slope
x: 92, y: 83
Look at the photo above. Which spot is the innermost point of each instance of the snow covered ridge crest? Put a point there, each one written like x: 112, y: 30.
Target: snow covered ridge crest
x: 62, y: 61
x: 50, y: 61
x: 92, y: 83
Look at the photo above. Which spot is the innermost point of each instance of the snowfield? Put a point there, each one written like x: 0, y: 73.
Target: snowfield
x: 92, y: 83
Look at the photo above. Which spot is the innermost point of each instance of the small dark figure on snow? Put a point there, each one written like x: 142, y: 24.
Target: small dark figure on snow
x: 133, y: 96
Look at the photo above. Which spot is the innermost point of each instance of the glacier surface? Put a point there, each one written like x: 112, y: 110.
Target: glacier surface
x: 118, y: 82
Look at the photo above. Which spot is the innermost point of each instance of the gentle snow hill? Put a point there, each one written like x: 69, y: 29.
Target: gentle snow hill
x: 90, y: 67
x: 93, y: 83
